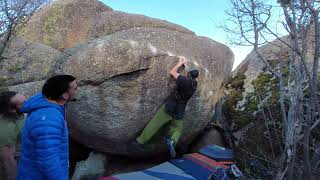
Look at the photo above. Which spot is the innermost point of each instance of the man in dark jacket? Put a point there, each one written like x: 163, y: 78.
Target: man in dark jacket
x: 44, y: 149
x: 174, y: 109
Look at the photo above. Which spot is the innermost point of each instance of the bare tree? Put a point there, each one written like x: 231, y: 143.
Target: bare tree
x: 300, y: 113
x: 13, y: 15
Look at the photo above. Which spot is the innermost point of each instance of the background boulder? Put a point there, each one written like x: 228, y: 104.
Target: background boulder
x: 251, y: 107
x: 66, y: 23
x: 26, y: 61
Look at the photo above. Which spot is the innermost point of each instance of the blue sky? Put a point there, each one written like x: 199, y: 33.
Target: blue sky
x: 202, y: 16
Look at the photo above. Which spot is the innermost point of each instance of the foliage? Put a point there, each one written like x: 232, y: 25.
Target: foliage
x: 13, y: 15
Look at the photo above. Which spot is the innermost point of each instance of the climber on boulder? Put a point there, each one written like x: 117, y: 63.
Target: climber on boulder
x: 173, y: 110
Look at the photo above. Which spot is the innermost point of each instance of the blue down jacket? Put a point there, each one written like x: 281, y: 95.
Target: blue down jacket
x: 44, y: 149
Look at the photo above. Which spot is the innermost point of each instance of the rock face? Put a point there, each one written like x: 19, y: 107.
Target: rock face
x: 251, y: 107
x: 66, y: 23
x: 25, y: 61
x: 125, y: 78
x: 124, y: 74
x: 208, y: 137
x: 249, y: 78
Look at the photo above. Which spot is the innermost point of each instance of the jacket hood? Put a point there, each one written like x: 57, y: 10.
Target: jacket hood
x: 38, y: 101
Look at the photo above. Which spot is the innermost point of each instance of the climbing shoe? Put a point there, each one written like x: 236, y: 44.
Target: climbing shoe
x: 235, y: 171
x: 170, y: 145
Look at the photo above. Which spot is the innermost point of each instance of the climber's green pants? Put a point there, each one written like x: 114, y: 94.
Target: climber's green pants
x: 160, y: 119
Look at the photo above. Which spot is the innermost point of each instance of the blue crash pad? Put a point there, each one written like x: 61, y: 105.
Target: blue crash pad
x: 217, y: 153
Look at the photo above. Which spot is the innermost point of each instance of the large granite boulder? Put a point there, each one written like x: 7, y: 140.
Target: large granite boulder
x: 66, y: 23
x: 124, y: 79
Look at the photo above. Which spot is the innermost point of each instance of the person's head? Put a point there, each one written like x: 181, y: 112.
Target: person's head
x: 192, y: 70
x: 193, y: 74
x: 60, y: 88
x: 11, y: 102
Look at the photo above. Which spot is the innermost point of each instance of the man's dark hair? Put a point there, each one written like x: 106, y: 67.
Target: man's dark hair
x: 194, y: 74
x: 5, y: 104
x: 55, y: 86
